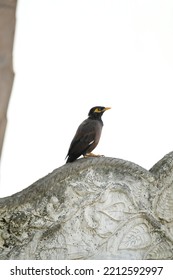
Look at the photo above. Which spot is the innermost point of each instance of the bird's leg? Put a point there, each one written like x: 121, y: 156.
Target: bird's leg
x: 92, y: 155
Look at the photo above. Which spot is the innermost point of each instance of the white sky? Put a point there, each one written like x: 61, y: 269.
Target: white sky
x: 72, y: 55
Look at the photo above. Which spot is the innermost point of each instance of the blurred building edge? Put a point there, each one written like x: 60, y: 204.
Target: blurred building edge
x: 7, y: 29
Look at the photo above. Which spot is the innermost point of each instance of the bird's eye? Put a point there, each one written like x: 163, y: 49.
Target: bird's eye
x: 97, y: 110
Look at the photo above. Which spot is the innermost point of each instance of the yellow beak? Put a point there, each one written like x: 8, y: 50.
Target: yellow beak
x: 107, y: 108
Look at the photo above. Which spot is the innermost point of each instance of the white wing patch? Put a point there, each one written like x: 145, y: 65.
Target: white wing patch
x: 91, y: 142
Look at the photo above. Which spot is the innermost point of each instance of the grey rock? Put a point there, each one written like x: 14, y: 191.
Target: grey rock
x: 95, y: 208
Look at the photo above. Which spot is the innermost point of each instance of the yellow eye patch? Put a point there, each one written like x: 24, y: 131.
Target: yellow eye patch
x: 97, y: 110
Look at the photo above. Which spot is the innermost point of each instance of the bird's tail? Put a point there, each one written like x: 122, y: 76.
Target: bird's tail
x: 70, y: 159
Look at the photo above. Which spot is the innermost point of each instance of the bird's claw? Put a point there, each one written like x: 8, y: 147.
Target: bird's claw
x: 92, y: 155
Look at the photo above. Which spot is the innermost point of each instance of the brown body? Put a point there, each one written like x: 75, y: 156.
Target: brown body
x: 87, y: 135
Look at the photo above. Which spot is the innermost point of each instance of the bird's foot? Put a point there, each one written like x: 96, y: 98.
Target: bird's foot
x: 92, y: 155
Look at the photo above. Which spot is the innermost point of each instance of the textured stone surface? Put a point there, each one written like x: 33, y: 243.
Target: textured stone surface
x: 95, y: 208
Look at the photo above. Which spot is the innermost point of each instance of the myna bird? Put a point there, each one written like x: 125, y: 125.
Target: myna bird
x: 87, y: 135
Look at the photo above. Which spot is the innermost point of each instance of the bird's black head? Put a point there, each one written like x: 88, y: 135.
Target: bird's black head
x: 97, y: 111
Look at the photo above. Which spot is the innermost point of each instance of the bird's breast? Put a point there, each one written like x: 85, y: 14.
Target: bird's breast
x: 98, y: 130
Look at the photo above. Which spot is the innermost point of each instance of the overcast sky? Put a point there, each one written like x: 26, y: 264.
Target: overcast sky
x: 72, y: 55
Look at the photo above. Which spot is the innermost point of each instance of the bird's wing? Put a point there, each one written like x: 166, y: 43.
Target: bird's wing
x: 84, y: 137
